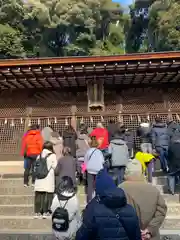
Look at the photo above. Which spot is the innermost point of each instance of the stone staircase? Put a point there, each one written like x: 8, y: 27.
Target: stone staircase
x: 16, y: 211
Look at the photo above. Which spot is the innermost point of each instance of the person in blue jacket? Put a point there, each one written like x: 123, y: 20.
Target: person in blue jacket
x: 108, y: 216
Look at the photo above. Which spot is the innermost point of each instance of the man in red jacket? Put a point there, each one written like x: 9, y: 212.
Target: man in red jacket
x: 32, y: 143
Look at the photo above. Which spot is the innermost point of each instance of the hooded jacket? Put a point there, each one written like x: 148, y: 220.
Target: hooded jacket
x: 82, y: 145
x: 144, y: 132
x: 172, y: 127
x: 100, y: 219
x: 160, y: 137
x: 72, y: 206
x: 119, y: 152
x: 173, y: 157
x: 32, y: 143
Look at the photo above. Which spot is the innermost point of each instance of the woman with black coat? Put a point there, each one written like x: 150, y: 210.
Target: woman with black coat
x: 66, y: 167
x: 173, y: 163
x: 69, y: 139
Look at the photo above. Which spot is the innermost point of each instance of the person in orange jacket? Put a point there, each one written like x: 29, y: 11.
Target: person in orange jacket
x: 32, y: 143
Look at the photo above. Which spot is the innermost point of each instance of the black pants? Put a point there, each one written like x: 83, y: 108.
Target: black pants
x: 90, y: 186
x: 30, y: 166
x: 42, y: 202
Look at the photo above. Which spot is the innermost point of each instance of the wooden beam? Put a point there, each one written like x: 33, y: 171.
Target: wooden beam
x: 89, y: 60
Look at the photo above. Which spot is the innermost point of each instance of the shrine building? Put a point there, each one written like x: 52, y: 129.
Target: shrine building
x: 60, y: 91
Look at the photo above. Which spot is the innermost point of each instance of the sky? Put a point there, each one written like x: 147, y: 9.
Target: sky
x: 124, y: 2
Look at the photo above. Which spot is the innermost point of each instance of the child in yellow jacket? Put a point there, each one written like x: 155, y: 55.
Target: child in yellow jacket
x: 144, y: 159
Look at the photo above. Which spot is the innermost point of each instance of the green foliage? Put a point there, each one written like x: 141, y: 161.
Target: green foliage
x: 164, y: 25
x: 10, y: 42
x: 160, y: 32
x: 64, y: 27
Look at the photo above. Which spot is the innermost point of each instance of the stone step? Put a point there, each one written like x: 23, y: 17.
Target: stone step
x: 165, y: 190
x: 16, y: 187
x: 11, y: 182
x: 19, y: 190
x: 161, y: 180
x: 173, y: 209
x: 22, y: 223
x: 28, y: 210
x: 171, y: 223
x: 16, y: 199
x: 28, y: 198
x: 48, y: 236
x: 171, y: 198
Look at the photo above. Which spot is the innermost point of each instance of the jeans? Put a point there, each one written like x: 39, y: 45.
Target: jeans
x: 149, y: 170
x: 171, y: 183
x: 119, y: 174
x: 25, y: 163
x: 146, y: 147
x: 31, y: 160
x: 90, y: 186
x: 163, y: 155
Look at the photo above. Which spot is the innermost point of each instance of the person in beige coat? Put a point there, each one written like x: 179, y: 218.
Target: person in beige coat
x: 44, y: 188
x: 146, y: 199
x: 57, y: 142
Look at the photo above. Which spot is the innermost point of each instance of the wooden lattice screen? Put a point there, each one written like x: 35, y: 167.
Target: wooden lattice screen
x: 58, y: 113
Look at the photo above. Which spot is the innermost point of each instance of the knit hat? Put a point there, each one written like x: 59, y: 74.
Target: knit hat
x: 104, y: 182
x: 133, y: 168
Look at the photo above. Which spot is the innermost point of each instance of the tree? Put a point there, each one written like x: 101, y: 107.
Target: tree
x: 136, y: 37
x: 66, y: 27
x: 10, y: 42
x: 164, y: 25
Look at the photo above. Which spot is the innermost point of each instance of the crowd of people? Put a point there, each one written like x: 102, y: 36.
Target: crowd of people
x: 115, y: 175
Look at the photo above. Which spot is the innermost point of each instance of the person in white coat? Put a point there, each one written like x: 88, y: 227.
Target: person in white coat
x: 44, y: 188
x: 66, y: 198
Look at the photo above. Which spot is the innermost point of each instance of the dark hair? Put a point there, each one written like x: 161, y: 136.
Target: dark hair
x: 144, y: 120
x: 120, y: 130
x: 70, y: 129
x: 34, y: 127
x: 111, y: 121
x: 66, y: 151
x: 94, y: 143
x: 83, y: 129
x: 65, y: 185
x: 49, y: 146
x: 158, y: 120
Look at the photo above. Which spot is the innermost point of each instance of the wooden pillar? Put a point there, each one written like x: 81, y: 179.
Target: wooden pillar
x: 73, y: 116
x: 28, y: 117
x: 167, y: 104
x: 119, y: 108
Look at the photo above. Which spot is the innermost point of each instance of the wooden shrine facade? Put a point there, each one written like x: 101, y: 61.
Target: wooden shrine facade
x: 61, y: 91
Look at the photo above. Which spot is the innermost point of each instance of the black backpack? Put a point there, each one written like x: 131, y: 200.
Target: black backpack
x: 41, y: 170
x: 60, y: 219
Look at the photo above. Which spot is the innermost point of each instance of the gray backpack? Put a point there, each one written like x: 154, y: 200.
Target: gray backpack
x: 120, y: 153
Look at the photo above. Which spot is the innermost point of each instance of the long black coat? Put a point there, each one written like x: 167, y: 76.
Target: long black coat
x: 66, y: 167
x: 174, y: 157
x: 69, y: 140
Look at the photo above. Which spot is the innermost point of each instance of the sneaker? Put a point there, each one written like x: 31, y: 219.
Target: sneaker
x: 37, y: 216
x: 32, y: 185
x: 25, y: 185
